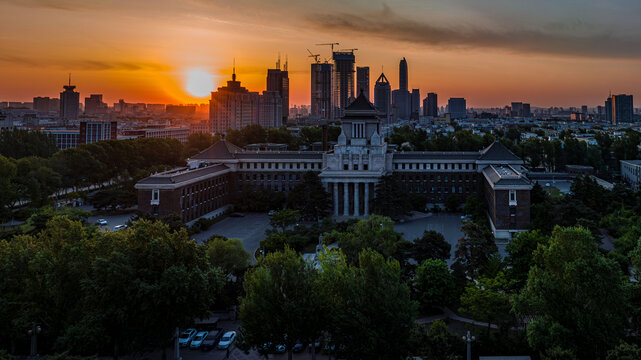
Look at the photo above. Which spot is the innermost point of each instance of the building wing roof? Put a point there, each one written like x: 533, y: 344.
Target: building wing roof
x: 222, y: 149
x: 498, y: 152
x: 179, y: 175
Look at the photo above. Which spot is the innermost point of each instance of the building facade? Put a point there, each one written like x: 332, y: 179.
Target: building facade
x: 94, y: 105
x: 383, y: 96
x: 457, y: 108
x: 94, y: 131
x: 362, y: 80
x: 343, y: 79
x: 69, y: 103
x: 619, y: 109
x: 631, y: 172
x: 278, y: 81
x: 173, y: 132
x: 322, y: 91
x: 356, y: 164
x: 430, y: 105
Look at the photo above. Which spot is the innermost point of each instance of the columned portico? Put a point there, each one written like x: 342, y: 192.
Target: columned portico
x: 345, y: 199
x: 335, y: 199
x: 366, y: 208
x: 356, y: 202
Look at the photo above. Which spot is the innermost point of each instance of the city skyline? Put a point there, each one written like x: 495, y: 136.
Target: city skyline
x: 145, y: 53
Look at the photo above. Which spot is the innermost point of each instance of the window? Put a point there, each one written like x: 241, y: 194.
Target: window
x: 512, y: 197
x: 155, y: 195
x: 358, y: 130
x: 364, y: 166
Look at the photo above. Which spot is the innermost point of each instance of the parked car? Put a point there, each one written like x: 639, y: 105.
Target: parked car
x: 185, y: 338
x: 227, y: 340
x: 101, y: 222
x: 316, y: 345
x: 198, y: 339
x: 119, y: 227
x: 211, y: 341
x: 236, y: 214
x: 271, y: 212
x: 298, y: 347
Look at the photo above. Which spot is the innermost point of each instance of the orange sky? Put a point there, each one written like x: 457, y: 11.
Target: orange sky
x: 545, y: 54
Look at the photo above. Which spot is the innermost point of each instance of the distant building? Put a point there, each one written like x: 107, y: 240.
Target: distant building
x: 343, y: 78
x: 457, y: 108
x: 520, y: 109
x: 233, y: 107
x: 45, y: 104
x: 173, y: 132
x: 6, y: 121
x: 65, y: 138
x: 156, y: 108
x: 180, y: 110
x: 94, y: 131
x: 526, y: 110
x: 631, y: 172
x: 362, y: 80
x: 69, y: 103
x: 383, y: 96
x: 94, y: 105
x: 322, y: 91
x: 430, y: 105
x: 278, y: 81
x: 619, y: 109
x: 402, y: 75
x: 271, y: 109
x: 401, y: 98
x: 415, y: 103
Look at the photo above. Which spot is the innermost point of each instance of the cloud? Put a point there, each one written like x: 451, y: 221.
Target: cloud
x: 86, y: 64
x: 387, y: 24
x: 66, y: 5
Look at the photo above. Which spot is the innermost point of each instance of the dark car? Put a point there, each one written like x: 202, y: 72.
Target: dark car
x: 212, y: 340
x: 237, y: 215
x: 298, y: 347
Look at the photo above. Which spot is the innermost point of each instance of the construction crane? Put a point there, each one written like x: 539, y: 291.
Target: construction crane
x: 352, y: 50
x: 330, y: 44
x: 315, y: 56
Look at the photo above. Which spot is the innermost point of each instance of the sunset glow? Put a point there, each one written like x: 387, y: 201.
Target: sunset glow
x: 199, y: 83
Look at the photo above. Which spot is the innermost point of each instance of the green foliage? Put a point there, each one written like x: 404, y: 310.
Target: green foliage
x: 227, y: 254
x: 624, y: 351
x: 17, y: 144
x: 390, y: 200
x: 431, y: 245
x: 488, y: 300
x: 310, y: 198
x: 571, y: 271
x: 198, y: 142
x: 437, y: 343
x: 283, y: 219
x: 474, y: 249
x: 369, y: 307
x: 434, y: 284
x: 521, y: 254
x: 452, y: 203
x: 475, y: 207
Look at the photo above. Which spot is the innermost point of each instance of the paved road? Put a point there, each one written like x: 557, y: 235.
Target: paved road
x: 250, y: 229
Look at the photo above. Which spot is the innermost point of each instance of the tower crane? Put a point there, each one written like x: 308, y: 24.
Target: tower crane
x: 329, y: 44
x: 315, y: 56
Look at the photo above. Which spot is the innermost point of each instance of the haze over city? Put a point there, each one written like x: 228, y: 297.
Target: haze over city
x: 489, y: 52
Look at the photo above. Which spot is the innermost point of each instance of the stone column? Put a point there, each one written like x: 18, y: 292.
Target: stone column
x: 335, y: 199
x: 346, y: 199
x: 356, y: 202
x: 366, y: 208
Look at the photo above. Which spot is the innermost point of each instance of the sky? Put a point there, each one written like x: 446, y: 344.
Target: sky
x: 492, y: 52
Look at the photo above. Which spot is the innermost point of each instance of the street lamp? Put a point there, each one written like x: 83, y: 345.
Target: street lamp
x: 468, y: 339
x: 33, y: 333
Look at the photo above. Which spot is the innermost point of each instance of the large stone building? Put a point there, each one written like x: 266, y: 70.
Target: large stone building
x: 351, y: 170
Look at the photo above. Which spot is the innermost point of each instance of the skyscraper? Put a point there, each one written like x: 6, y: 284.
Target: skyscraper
x: 278, y: 80
x: 321, y: 91
x: 430, y: 105
x: 402, y: 75
x: 619, y: 109
x: 233, y: 107
x: 69, y: 103
x: 415, y: 103
x: 362, y: 80
x: 45, y: 104
x: 270, y: 109
x: 343, y: 78
x: 382, y: 95
x: 457, y: 108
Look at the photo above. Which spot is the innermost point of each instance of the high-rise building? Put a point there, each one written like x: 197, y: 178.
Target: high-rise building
x: 321, y: 91
x: 415, y: 103
x: 343, y: 79
x: 430, y: 105
x: 45, y: 104
x: 382, y: 96
x: 517, y: 109
x: 69, y: 103
x: 362, y: 80
x: 526, y: 110
x: 457, y: 108
x: 94, y: 105
x: 619, y: 109
x: 278, y: 80
x: 402, y: 75
x: 234, y: 107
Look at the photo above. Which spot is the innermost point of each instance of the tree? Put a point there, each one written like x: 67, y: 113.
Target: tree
x: 434, y: 284
x: 18, y: 143
x: 228, y: 255
x: 390, y: 199
x: 310, y: 198
x: 488, y: 300
x: 437, y: 343
x: 571, y: 271
x: 281, y: 303
x: 452, y: 203
x: 474, y: 249
x: 365, y: 305
x: 624, y: 351
x: 431, y: 245
x: 283, y: 219
x: 8, y: 189
x: 521, y: 254
x: 198, y: 142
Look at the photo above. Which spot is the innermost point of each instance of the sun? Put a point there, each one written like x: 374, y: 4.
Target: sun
x: 199, y: 82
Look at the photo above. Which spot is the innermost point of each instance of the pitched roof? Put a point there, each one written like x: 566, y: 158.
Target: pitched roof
x: 222, y: 149
x: 360, y: 104
x: 182, y: 174
x: 382, y: 79
x: 498, y: 152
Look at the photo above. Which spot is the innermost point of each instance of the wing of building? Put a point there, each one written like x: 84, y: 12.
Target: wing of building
x: 350, y: 172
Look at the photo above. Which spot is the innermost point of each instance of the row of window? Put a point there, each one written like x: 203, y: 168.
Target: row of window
x: 424, y: 189
x: 205, y: 185
x: 283, y: 166
x: 268, y: 177
x: 430, y: 166
x: 446, y: 178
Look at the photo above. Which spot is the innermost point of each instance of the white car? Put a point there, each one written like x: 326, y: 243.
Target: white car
x: 227, y: 340
x: 198, y: 339
x: 101, y: 222
x: 185, y: 338
x: 119, y: 227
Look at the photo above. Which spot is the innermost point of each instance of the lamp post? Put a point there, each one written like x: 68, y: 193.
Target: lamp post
x: 33, y: 333
x: 468, y: 339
